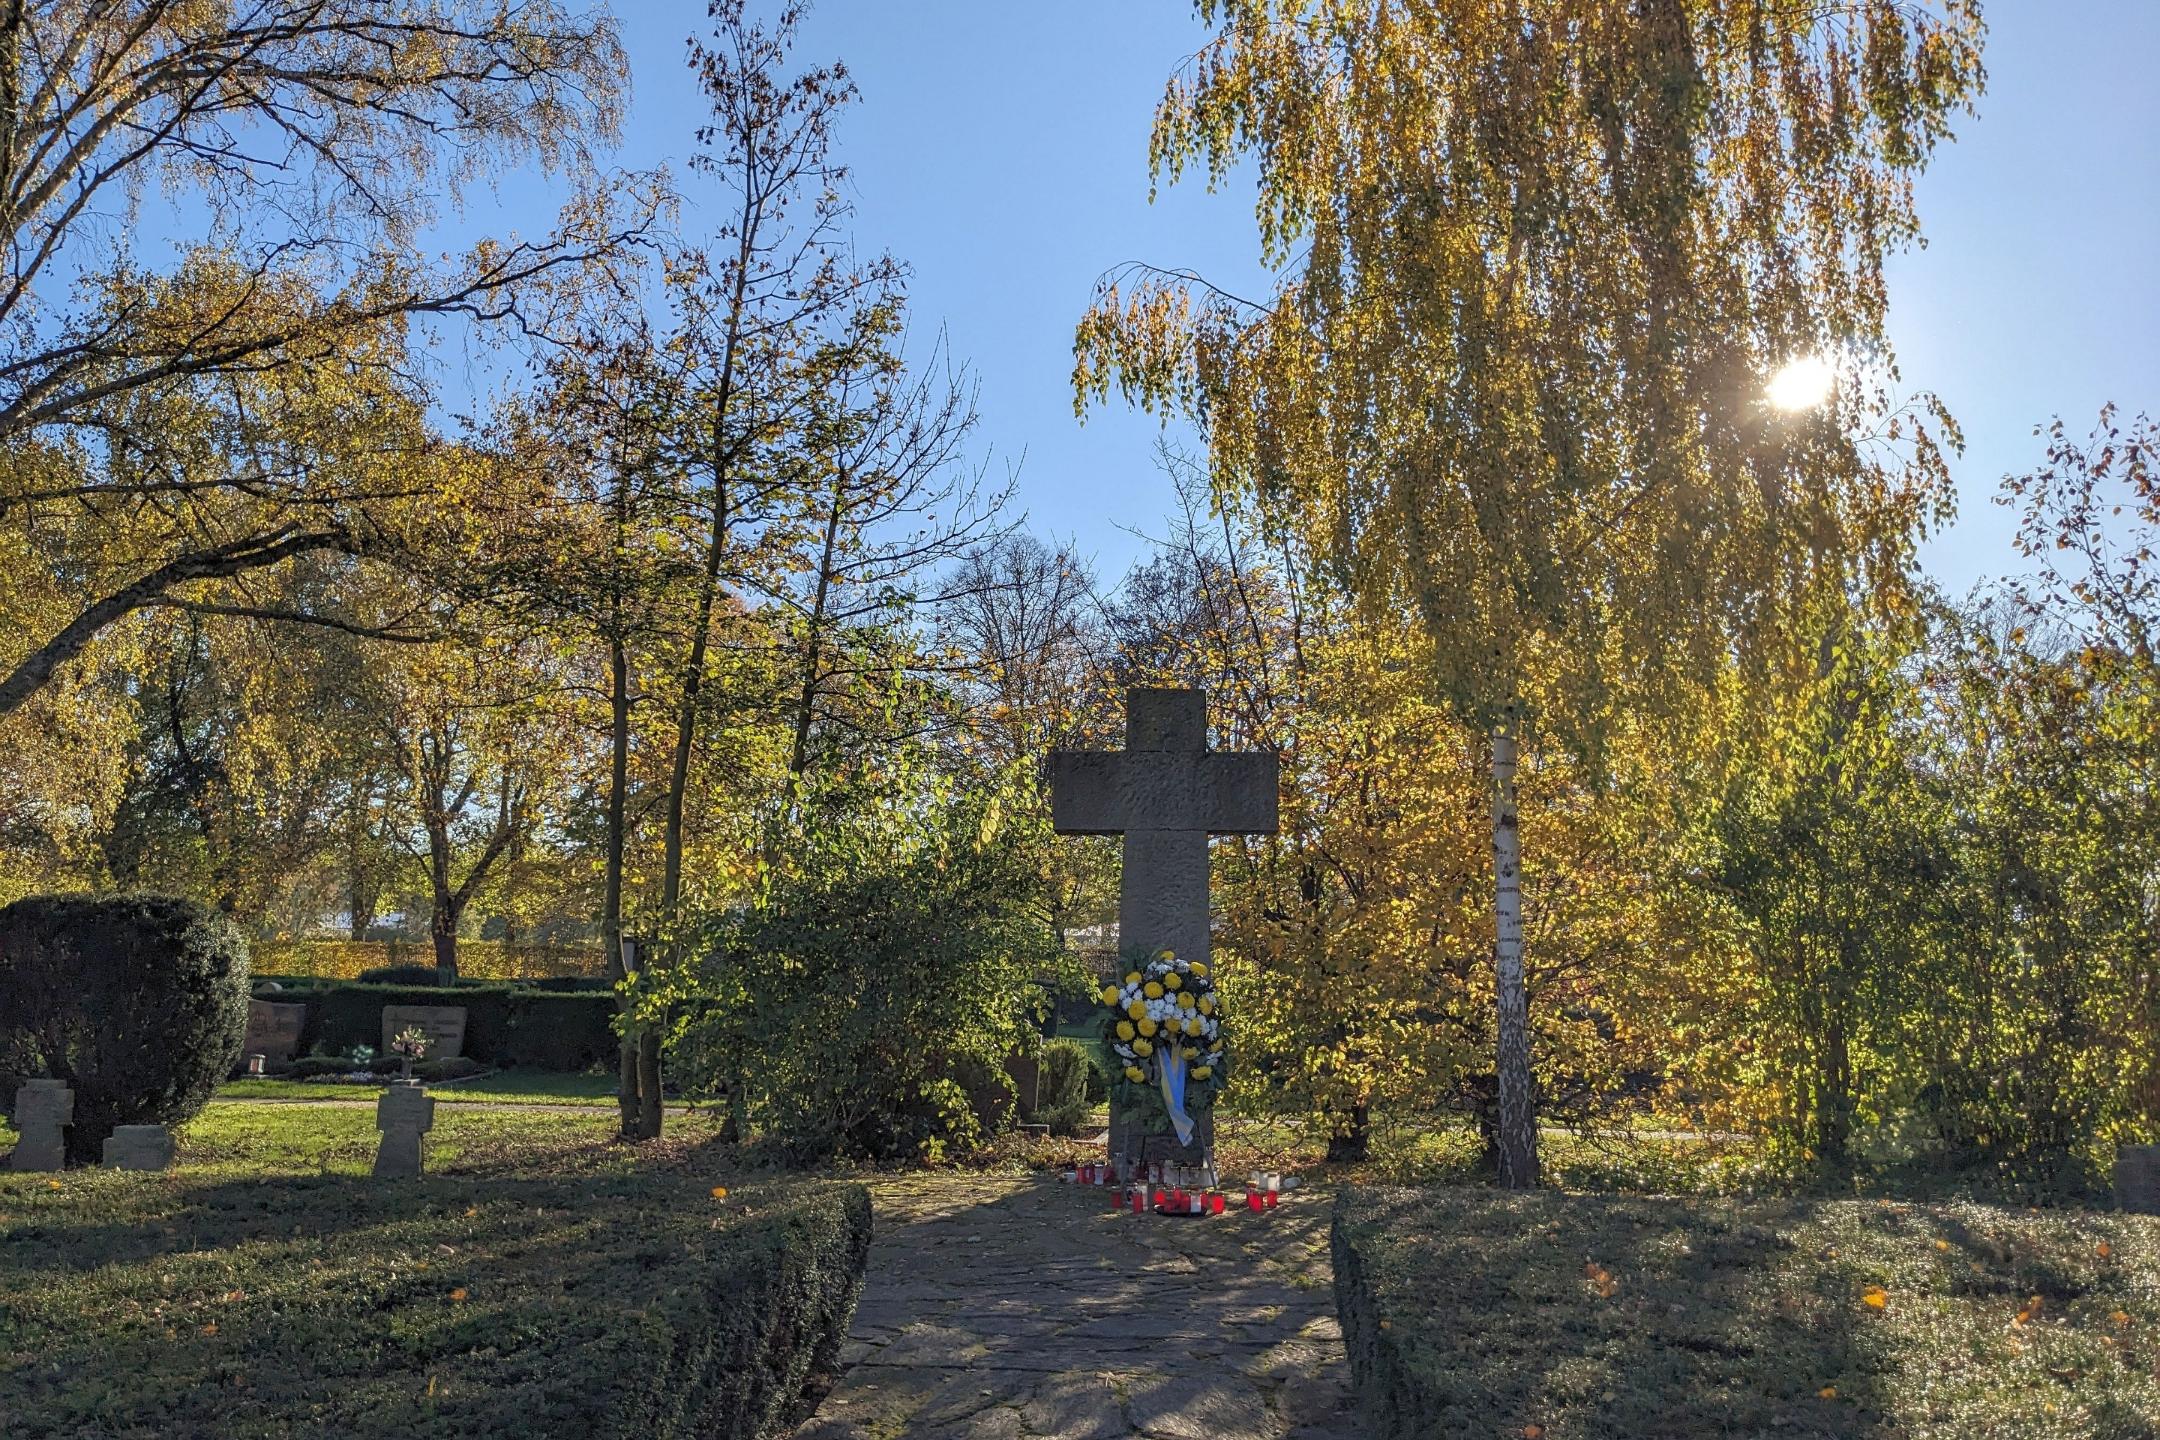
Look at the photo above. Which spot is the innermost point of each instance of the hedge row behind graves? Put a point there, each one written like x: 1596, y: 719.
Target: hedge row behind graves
x: 505, y: 1025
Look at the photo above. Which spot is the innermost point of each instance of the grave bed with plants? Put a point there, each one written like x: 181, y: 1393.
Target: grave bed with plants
x: 1564, y: 1317
x: 601, y: 1298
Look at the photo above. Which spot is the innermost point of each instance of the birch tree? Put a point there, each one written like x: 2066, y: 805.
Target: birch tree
x: 1535, y: 261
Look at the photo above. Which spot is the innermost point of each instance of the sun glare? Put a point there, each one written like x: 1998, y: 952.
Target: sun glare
x: 1803, y: 384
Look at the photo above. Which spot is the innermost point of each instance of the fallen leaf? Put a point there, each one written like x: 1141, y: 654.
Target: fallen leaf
x: 1942, y: 1244
x: 2103, y: 1249
x: 719, y: 1192
x: 2120, y: 1317
x: 1828, y: 1392
x: 458, y: 1294
x: 1533, y: 1432
x: 1875, y: 1297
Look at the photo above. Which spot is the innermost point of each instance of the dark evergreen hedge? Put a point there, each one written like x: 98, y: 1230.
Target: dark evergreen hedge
x: 137, y: 1001
x: 505, y: 1025
x: 594, y: 1308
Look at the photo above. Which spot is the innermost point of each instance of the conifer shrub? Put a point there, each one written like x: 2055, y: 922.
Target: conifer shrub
x: 138, y: 1002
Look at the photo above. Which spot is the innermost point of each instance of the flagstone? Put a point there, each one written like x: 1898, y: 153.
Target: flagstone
x: 1066, y: 1321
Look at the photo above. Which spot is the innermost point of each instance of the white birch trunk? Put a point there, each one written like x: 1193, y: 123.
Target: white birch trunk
x: 1517, y: 1120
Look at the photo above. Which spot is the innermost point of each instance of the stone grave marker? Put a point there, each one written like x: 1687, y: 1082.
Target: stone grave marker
x: 139, y: 1147
x: 1165, y: 793
x: 404, y: 1115
x: 43, y: 1111
x: 444, y: 1026
x: 2137, y: 1179
x: 273, y: 1031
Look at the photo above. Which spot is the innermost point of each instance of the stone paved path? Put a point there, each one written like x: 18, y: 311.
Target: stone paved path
x: 1002, y: 1309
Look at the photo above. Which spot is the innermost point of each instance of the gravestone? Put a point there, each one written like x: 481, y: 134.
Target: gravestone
x: 404, y: 1115
x: 1165, y: 793
x: 2137, y: 1179
x: 139, y: 1147
x: 273, y: 1031
x: 43, y: 1111
x: 444, y: 1026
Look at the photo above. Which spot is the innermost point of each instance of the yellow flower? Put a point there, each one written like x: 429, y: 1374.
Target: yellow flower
x: 1207, y: 1004
x: 1169, y: 954
x: 1147, y: 1027
x: 1135, y: 1074
x: 1109, y: 996
x: 1194, y: 1025
x: 1124, y: 1029
x: 1143, y: 1047
x: 1173, y: 981
x: 1185, y: 1001
x: 1189, y: 1053
x: 1201, y: 1072
x: 1132, y: 977
x: 1152, y: 990
x: 1199, y: 969
x: 1136, y: 1010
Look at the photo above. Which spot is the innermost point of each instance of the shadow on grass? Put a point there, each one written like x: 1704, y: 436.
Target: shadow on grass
x: 1480, y: 1312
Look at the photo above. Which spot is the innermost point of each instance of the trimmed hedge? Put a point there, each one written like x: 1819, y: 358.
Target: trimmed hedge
x: 137, y: 1001
x: 1470, y: 1311
x: 332, y: 959
x: 504, y: 1025
x: 479, y: 1308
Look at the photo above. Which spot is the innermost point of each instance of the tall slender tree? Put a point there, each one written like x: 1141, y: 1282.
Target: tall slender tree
x: 1538, y: 260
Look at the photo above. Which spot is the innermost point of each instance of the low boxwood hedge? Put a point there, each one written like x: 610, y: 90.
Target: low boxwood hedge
x: 469, y: 1307
x: 1470, y: 1311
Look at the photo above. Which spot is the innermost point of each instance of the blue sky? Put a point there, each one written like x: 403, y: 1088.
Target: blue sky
x: 1001, y: 150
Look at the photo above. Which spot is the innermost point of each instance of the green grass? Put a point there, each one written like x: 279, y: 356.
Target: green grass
x: 505, y: 1087
x: 1473, y: 1312
x: 541, y: 1280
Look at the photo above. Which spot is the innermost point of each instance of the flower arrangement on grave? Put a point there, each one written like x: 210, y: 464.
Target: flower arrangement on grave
x: 409, y: 1044
x: 1163, y: 1025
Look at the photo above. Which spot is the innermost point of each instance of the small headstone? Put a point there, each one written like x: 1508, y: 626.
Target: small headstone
x: 444, y: 1025
x: 2137, y: 1179
x: 273, y: 1030
x: 139, y: 1147
x: 404, y: 1115
x: 43, y: 1111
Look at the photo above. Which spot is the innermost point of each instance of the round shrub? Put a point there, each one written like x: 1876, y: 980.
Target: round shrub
x: 401, y: 975
x: 137, y: 1001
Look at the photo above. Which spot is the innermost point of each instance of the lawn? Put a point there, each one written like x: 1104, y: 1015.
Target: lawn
x: 504, y: 1087
x: 1568, y: 1317
x: 540, y: 1281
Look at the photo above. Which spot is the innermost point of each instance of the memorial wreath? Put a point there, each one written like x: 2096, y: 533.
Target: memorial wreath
x: 1163, y: 1026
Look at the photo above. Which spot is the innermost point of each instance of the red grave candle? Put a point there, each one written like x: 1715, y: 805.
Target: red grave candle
x: 1252, y: 1201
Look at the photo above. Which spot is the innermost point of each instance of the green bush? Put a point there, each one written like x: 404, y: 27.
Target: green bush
x: 1061, y: 1097
x: 400, y: 975
x: 594, y: 1307
x: 864, y: 1002
x: 139, y: 1002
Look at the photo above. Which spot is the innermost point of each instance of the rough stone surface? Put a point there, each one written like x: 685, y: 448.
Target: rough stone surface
x: 443, y: 1024
x: 43, y: 1111
x: 404, y: 1115
x: 2137, y: 1179
x: 139, y: 1147
x: 1166, y: 792
x: 273, y: 1030
x: 1029, y: 1309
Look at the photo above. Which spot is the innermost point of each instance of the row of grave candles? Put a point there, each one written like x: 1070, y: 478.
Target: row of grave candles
x: 1165, y: 1187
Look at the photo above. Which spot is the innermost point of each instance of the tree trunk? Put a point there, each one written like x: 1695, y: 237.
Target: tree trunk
x: 1517, y: 1102
x: 611, y: 934
x: 442, y: 929
x: 1351, y: 1142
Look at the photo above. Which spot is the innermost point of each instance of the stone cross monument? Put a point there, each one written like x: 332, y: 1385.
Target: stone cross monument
x: 1166, y: 793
